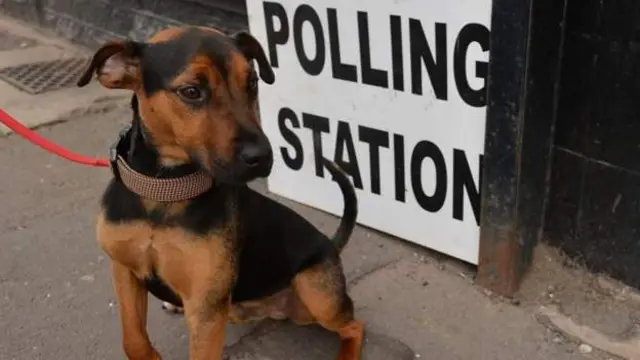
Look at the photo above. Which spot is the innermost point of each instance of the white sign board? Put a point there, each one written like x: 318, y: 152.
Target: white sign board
x: 395, y: 92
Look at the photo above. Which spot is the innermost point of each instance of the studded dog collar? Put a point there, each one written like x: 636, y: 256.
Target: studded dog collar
x: 157, y: 189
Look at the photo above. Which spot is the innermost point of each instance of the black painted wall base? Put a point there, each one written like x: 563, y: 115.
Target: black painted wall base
x: 594, y: 202
x: 593, y: 215
x: 92, y: 22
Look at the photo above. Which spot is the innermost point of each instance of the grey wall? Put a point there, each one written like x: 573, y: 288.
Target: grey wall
x: 91, y: 22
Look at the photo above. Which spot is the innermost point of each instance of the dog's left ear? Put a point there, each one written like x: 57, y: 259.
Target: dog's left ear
x: 252, y: 49
x: 116, y: 65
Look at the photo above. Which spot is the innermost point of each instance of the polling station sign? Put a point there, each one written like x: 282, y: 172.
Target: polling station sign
x: 394, y: 92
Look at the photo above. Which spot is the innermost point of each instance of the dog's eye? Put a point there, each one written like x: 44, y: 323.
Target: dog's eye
x: 190, y: 93
x: 252, y: 83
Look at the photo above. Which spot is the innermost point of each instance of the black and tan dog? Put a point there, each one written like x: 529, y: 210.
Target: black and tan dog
x: 178, y: 219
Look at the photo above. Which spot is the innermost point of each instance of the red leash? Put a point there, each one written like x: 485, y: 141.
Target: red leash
x: 32, y: 136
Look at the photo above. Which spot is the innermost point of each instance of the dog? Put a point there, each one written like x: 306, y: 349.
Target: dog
x: 178, y: 219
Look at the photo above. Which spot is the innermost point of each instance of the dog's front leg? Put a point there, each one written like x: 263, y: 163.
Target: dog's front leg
x: 132, y: 300
x: 206, y: 319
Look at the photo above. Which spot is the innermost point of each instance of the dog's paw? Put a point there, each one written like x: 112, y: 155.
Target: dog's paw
x: 172, y: 309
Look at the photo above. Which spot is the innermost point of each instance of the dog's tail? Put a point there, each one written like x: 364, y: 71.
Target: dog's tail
x: 350, y: 212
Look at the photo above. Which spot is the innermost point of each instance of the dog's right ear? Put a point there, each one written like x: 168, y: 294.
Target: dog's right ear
x: 252, y: 49
x: 116, y: 64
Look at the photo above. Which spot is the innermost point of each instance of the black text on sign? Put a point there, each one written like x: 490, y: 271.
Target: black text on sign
x: 420, y: 52
x: 394, y: 92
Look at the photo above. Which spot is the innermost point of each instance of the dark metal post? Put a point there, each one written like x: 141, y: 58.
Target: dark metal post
x: 524, y: 71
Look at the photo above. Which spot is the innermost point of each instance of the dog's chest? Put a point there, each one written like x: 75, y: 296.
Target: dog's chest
x: 169, y: 252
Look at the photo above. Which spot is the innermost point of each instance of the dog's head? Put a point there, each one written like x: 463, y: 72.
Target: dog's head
x: 196, y: 90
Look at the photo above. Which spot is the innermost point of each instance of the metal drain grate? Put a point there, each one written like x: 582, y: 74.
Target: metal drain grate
x: 9, y: 41
x: 40, y: 77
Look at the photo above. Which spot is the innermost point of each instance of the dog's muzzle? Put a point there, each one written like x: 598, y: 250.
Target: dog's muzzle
x: 255, y: 160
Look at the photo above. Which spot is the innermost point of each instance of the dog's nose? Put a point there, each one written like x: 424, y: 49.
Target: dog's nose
x: 253, y: 154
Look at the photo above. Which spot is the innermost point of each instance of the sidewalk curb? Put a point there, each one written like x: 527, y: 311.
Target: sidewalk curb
x: 35, y: 118
x: 551, y: 317
x: 64, y: 100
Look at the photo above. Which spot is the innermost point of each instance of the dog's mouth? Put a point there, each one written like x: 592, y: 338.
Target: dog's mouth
x: 238, y: 172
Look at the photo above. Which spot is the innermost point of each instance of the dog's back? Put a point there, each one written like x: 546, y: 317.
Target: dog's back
x: 273, y: 249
